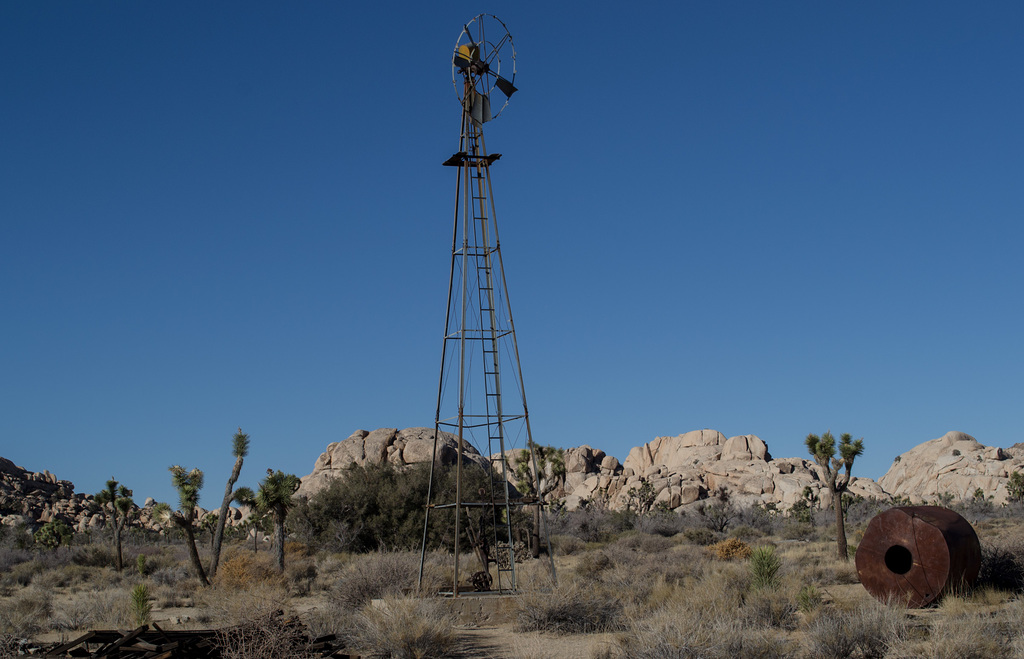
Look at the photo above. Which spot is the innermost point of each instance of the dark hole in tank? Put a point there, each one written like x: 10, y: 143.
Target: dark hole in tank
x: 899, y: 559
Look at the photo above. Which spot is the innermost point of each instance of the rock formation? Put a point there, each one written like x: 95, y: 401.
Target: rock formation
x: 35, y: 498
x: 956, y: 464
x: 688, y: 468
x: 397, y: 447
x: 682, y: 470
x: 31, y: 497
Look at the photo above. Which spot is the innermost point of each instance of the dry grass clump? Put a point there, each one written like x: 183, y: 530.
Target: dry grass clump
x: 406, y: 629
x: 708, y: 629
x: 636, y: 541
x: 871, y: 631
x: 114, y: 608
x: 730, y: 549
x: 392, y: 574
x: 571, y: 609
x: 817, y: 564
x: 21, y: 574
x: 77, y: 612
x: 700, y: 536
x: 26, y: 612
x: 567, y: 545
x: 769, y: 609
x: 329, y: 568
x: 371, y: 577
x: 237, y: 607
x: 592, y: 564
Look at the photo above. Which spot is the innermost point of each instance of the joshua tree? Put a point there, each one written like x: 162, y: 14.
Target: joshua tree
x: 275, y: 497
x: 188, y: 484
x: 246, y: 497
x: 240, y: 449
x: 823, y: 450
x: 117, y: 501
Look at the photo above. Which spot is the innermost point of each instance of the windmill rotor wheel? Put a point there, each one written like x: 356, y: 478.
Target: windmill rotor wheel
x: 484, y: 60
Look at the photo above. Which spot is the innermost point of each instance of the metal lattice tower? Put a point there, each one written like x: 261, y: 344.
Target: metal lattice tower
x: 481, y: 398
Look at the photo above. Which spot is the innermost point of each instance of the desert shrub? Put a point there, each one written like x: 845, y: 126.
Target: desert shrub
x: 767, y: 609
x: 566, y: 545
x: 238, y: 607
x: 635, y: 541
x: 406, y: 629
x: 264, y: 636
x: 593, y: 563
x: 92, y: 556
x: 763, y: 518
x: 171, y: 575
x: 729, y: 549
x: 67, y: 575
x: 745, y: 533
x: 591, y: 523
x: 795, y: 530
x: 74, y: 613
x: 701, y: 536
x: 764, y: 568
x: 26, y: 613
x: 706, y: 627
x: 869, y: 631
x: 10, y: 557
x: 168, y: 597
x: 661, y: 522
x: 22, y: 574
x: 1002, y: 567
x: 243, y: 570
x: 300, y: 574
x: 964, y: 635
x: 374, y: 576
x: 569, y: 610
x: 808, y: 599
x: 113, y: 608
x: 330, y: 568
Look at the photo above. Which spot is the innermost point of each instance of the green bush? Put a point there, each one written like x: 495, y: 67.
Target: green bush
x: 53, y: 534
x: 374, y: 507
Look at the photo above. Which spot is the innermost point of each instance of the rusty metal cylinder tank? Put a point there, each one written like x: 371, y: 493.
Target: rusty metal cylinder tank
x: 917, y: 554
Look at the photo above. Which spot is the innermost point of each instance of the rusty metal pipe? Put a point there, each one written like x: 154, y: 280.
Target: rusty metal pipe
x: 917, y: 554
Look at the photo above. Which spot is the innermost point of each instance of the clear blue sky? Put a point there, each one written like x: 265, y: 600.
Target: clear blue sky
x: 769, y: 218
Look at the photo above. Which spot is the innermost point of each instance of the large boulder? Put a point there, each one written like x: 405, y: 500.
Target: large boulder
x: 955, y: 464
x: 396, y: 447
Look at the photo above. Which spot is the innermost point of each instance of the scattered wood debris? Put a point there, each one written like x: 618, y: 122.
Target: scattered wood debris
x: 152, y: 642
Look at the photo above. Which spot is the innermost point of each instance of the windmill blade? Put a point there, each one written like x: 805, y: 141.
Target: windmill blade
x: 480, y: 110
x: 495, y: 48
x: 506, y: 87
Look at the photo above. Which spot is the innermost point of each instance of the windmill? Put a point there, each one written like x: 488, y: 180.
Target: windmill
x: 481, y: 399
